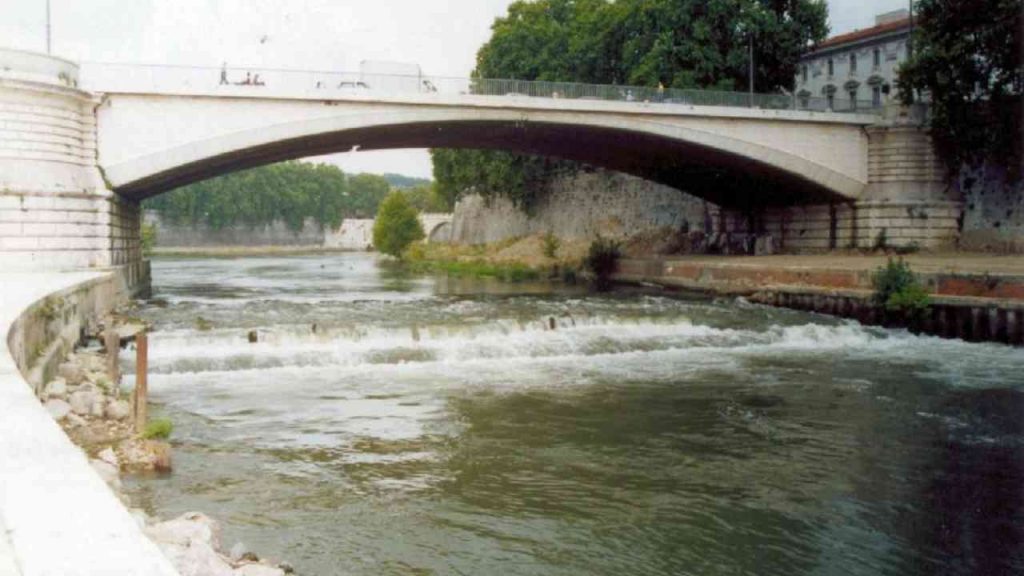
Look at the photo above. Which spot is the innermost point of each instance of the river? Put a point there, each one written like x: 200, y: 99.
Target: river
x: 395, y: 424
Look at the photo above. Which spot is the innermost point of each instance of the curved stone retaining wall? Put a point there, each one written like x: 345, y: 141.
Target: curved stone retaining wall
x: 57, y: 516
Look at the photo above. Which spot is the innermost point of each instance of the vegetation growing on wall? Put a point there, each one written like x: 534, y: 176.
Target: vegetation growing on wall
x: 675, y: 43
x: 289, y: 191
x: 518, y: 177
x: 426, y: 198
x: 967, y: 58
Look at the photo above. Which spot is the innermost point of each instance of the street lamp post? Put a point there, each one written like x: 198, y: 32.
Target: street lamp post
x: 48, y: 50
x: 750, y: 64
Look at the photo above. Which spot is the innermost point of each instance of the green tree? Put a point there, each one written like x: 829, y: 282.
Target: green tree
x: 366, y: 192
x: 397, y: 225
x: 967, y: 59
x: 676, y: 43
x: 425, y: 198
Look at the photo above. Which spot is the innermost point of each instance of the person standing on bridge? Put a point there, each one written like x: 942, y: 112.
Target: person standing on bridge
x: 224, y: 74
x: 661, y: 92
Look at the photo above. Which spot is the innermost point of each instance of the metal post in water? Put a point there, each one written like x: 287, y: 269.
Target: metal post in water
x: 141, y: 386
x: 112, y: 342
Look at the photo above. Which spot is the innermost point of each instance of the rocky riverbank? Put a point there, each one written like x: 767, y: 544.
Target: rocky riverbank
x: 97, y: 416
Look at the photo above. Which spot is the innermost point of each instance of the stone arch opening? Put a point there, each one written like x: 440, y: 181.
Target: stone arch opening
x: 442, y: 232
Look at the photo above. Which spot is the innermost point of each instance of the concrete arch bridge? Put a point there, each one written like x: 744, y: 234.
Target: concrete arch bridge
x: 120, y: 135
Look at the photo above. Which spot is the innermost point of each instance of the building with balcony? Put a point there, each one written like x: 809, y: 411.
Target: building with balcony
x: 858, y: 69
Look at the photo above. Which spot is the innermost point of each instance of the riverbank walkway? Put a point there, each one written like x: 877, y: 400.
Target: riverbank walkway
x: 963, y: 275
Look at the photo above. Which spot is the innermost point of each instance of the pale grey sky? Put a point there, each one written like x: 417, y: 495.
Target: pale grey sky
x: 442, y: 36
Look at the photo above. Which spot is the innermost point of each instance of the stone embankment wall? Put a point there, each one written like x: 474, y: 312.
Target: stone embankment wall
x: 993, y: 218
x: 278, y: 233
x: 976, y: 307
x: 353, y: 234
x: 582, y: 206
x: 57, y: 515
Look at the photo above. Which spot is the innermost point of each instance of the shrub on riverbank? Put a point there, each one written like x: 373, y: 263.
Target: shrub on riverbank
x: 551, y: 244
x: 898, y: 290
x: 602, y: 260
x: 148, y: 239
x: 397, y: 225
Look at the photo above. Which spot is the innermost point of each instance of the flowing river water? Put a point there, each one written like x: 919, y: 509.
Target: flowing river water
x: 434, y: 426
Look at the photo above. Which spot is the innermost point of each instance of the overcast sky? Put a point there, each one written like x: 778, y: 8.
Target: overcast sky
x: 442, y: 36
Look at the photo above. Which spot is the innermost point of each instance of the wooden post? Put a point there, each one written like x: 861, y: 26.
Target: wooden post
x: 112, y: 341
x: 141, y: 392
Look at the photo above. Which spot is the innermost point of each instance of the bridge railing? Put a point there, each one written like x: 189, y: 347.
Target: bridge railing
x: 325, y: 84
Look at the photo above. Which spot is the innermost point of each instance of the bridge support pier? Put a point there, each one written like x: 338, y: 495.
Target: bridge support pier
x: 56, y: 212
x: 909, y: 201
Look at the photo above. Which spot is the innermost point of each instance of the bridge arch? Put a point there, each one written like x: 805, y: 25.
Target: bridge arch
x: 702, y: 161
x: 441, y: 232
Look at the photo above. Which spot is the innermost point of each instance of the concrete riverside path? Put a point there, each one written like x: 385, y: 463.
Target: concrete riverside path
x: 970, y: 275
x: 974, y: 297
x: 57, y: 517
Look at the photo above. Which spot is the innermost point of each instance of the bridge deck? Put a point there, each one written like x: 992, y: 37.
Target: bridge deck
x: 331, y: 86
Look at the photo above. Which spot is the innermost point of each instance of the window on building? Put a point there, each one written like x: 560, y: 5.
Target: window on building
x: 831, y: 67
x: 853, y: 99
x: 877, y: 58
x: 853, y: 63
x: 876, y: 96
x: 830, y: 101
x: 803, y: 72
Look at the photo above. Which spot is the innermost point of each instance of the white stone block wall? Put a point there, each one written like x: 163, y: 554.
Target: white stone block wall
x: 353, y: 234
x: 55, y: 210
x: 811, y: 228
x: 909, y: 200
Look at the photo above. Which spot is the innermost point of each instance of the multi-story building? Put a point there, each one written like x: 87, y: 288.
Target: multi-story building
x: 857, y: 69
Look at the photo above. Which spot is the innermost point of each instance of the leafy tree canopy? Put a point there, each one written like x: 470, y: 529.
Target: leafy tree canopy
x: 425, y: 198
x: 967, y: 58
x: 397, y: 225
x: 289, y: 191
x: 676, y: 43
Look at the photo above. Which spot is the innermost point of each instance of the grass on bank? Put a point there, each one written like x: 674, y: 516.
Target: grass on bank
x: 513, y: 260
x: 159, y: 429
